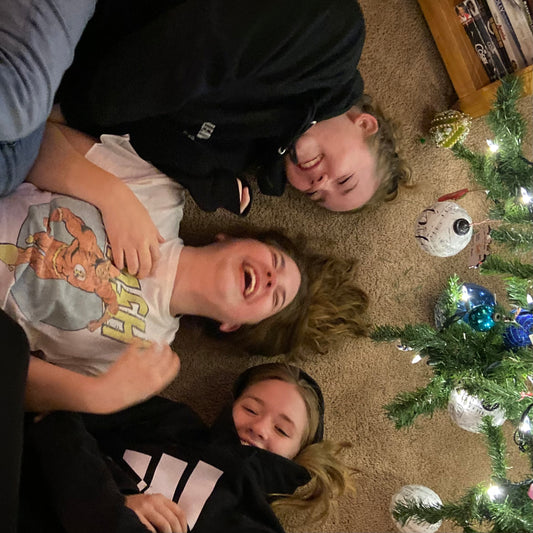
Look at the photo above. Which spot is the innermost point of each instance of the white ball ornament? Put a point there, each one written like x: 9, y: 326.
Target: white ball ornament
x: 417, y: 494
x: 443, y: 229
x: 467, y: 411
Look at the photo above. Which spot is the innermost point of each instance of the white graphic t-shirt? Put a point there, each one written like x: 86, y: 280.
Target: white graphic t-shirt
x: 56, y: 276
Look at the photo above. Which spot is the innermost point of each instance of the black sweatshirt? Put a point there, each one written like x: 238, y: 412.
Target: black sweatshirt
x: 206, y: 88
x: 77, y: 469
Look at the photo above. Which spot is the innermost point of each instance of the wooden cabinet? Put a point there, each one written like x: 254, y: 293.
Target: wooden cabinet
x: 474, y: 90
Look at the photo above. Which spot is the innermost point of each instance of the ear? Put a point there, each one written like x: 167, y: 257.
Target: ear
x: 368, y: 123
x: 221, y: 237
x: 228, y: 328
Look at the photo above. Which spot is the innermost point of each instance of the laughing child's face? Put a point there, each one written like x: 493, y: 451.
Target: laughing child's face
x: 271, y: 415
x: 333, y: 164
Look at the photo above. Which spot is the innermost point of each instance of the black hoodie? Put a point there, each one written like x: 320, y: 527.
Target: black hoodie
x: 205, y: 88
x: 77, y: 470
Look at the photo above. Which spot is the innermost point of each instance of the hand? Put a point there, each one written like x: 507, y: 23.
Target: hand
x: 133, y: 237
x: 157, y: 513
x: 140, y: 372
x: 244, y: 195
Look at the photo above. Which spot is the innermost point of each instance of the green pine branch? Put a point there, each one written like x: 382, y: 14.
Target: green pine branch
x: 459, y: 357
x: 495, y: 264
x: 497, y: 448
x: 407, y: 406
x: 518, y: 289
x: 515, y: 238
x: 508, y: 125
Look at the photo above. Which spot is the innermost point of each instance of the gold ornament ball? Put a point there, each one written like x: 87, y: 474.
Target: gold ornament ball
x: 449, y: 127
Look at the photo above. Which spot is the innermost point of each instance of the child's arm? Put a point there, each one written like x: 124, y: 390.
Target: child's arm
x: 74, y: 479
x: 138, y: 374
x: 62, y: 167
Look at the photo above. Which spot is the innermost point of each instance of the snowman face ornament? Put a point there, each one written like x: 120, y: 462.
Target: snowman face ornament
x: 443, y: 229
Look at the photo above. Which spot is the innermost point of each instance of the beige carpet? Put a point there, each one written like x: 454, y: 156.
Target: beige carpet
x: 402, y: 69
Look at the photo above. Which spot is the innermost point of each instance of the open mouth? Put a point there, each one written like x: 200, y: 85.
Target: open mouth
x: 248, y: 443
x: 311, y: 163
x: 250, y: 280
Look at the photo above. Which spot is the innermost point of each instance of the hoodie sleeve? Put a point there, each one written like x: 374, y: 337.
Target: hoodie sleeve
x: 75, y: 478
x: 218, y: 189
x: 158, y: 420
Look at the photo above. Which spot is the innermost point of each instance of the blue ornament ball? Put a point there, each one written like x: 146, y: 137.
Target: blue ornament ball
x: 473, y: 296
x: 481, y: 318
x: 518, y: 335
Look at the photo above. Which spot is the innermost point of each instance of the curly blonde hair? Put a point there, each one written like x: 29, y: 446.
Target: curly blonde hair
x: 391, y: 169
x: 328, y: 305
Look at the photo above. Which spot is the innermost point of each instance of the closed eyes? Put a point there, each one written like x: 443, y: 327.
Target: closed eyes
x: 284, y: 433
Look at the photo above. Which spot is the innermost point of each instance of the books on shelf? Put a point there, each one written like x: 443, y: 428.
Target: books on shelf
x: 500, y: 32
x: 523, y: 33
x: 476, y: 28
x: 512, y: 46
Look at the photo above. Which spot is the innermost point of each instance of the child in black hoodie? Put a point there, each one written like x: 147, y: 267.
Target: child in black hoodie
x: 157, y: 466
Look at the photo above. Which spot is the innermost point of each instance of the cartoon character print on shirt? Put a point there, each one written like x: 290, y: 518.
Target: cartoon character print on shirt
x: 64, y: 276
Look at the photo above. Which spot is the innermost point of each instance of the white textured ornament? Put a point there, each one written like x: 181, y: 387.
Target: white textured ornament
x: 443, y: 229
x: 467, y: 411
x: 416, y: 493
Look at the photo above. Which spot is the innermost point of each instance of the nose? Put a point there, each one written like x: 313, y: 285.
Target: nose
x: 259, y: 428
x: 271, y: 278
x: 319, y: 183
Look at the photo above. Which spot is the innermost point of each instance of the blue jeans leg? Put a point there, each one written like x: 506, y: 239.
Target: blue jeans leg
x: 17, y: 158
x: 37, y: 42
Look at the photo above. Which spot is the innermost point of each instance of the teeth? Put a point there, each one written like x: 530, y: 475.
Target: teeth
x: 244, y: 443
x: 250, y: 280
x: 311, y: 163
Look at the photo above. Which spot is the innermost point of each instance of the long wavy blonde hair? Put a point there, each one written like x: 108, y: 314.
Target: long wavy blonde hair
x: 329, y: 305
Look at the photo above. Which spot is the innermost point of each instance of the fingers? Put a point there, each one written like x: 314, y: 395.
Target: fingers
x: 161, y: 365
x: 132, y: 262
x: 158, y: 513
x: 245, y: 199
x: 142, y: 371
x: 146, y: 524
x: 141, y: 260
x: 167, y: 516
x: 117, y: 254
x: 170, y: 365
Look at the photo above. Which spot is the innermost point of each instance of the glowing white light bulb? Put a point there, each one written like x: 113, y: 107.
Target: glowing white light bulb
x: 416, y: 359
x: 494, y: 491
x: 464, y: 294
x: 493, y: 147
x: 526, y: 198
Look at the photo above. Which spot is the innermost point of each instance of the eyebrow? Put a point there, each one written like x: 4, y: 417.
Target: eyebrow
x: 261, y: 402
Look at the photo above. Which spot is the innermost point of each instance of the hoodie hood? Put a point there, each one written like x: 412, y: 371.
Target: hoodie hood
x: 274, y: 473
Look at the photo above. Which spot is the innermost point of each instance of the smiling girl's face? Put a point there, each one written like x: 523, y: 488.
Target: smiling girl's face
x: 251, y: 281
x: 335, y: 166
x: 271, y: 415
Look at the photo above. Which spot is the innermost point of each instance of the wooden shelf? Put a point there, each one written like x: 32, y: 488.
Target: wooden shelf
x: 474, y: 90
